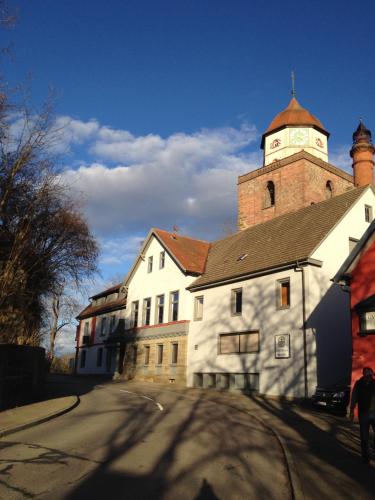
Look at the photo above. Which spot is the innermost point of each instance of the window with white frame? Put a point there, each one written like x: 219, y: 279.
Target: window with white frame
x: 236, y: 301
x: 134, y: 313
x: 103, y: 326
x: 174, y: 353
x: 159, y: 309
x: 198, y: 308
x: 368, y: 213
x: 283, y: 293
x: 146, y: 311
x: 112, y: 323
x: 237, y: 343
x: 149, y: 264
x: 174, y: 299
x: 162, y: 260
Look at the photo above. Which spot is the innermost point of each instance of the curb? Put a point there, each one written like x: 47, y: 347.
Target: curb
x: 37, y: 421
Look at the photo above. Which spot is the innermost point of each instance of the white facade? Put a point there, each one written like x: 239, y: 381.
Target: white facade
x: 290, y: 140
x: 95, y: 356
x: 327, y: 323
x: 145, y: 284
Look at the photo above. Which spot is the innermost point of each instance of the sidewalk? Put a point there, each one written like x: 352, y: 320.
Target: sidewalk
x: 27, y: 416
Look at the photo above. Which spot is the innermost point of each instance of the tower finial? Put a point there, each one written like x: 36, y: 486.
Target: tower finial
x: 293, y: 84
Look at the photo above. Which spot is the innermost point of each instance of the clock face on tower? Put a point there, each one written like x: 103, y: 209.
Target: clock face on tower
x: 299, y: 136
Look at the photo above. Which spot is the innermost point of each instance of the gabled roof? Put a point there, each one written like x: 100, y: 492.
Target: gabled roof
x: 189, y: 254
x: 278, y: 242
x: 108, y: 291
x: 344, y: 273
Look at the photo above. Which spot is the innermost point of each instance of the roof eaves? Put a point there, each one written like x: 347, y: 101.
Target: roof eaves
x: 260, y: 272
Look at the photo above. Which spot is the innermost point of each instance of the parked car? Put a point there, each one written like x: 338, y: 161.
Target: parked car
x: 334, y: 398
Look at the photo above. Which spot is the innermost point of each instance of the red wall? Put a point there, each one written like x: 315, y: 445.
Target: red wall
x: 362, y: 286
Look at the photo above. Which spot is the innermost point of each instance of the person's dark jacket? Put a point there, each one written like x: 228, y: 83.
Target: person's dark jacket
x: 364, y: 395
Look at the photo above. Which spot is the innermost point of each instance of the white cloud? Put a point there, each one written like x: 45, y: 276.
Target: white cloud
x: 340, y: 157
x: 188, y: 180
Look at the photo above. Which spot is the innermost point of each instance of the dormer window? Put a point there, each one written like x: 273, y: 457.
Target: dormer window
x: 269, y: 195
x: 329, y: 190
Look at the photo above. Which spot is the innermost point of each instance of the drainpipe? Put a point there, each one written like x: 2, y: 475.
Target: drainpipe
x: 301, y: 269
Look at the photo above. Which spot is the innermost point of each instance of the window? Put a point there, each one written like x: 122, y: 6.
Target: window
x: 235, y: 343
x: 147, y: 354
x: 146, y: 311
x: 103, y: 326
x: 86, y: 328
x: 112, y: 323
x: 329, y: 190
x: 160, y: 354
x: 352, y: 243
x: 149, y: 264
x: 269, y: 200
x: 198, y: 308
x: 134, y: 313
x: 159, y: 309
x: 368, y: 213
x: 283, y: 293
x: 83, y: 359
x: 161, y: 260
x: 99, y: 356
x: 236, y: 301
x: 174, y: 306
x: 174, y: 354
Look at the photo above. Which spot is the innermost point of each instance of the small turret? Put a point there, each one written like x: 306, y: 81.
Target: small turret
x: 362, y: 153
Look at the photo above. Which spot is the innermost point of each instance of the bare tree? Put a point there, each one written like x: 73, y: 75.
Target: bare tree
x: 44, y: 239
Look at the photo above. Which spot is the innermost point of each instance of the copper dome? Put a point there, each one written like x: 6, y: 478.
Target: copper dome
x: 294, y: 114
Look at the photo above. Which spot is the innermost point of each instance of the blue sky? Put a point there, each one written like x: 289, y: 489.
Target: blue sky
x: 164, y: 102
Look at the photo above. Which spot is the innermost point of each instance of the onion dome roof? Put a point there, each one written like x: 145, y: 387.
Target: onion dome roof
x: 362, y: 134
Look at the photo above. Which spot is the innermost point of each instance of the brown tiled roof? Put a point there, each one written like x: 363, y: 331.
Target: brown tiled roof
x: 294, y: 114
x: 277, y: 242
x: 190, y: 253
x: 91, y: 310
x: 108, y: 291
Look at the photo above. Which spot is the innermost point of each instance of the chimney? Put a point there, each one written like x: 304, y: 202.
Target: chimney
x: 362, y: 153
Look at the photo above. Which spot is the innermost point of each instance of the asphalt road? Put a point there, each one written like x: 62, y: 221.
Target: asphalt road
x: 133, y: 441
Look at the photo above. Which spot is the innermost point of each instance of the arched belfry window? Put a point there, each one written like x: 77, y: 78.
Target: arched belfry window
x: 329, y: 189
x: 269, y: 200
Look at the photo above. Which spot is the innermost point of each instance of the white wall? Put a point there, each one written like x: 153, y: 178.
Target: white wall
x: 328, y: 309
x: 277, y: 376
x: 160, y: 281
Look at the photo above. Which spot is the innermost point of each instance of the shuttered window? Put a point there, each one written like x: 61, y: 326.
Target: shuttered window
x: 235, y: 343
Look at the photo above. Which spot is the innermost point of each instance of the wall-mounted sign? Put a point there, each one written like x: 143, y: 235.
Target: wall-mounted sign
x: 367, y: 319
x: 282, y: 346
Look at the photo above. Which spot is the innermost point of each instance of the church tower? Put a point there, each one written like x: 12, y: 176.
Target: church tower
x: 295, y: 171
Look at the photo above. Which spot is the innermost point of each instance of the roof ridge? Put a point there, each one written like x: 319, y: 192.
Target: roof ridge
x: 180, y: 235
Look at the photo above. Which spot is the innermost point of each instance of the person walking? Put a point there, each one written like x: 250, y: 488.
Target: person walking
x: 364, y: 395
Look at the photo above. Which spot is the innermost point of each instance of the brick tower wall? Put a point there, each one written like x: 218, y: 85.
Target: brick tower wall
x: 298, y: 182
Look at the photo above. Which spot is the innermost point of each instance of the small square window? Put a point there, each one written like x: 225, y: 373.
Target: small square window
x: 236, y: 301
x: 162, y: 260
x: 283, y: 293
x: 368, y: 213
x: 149, y: 264
x: 198, y: 308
